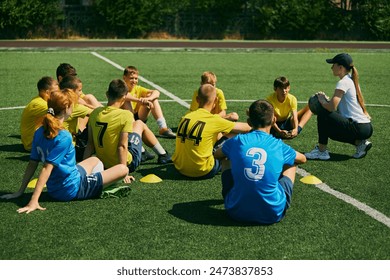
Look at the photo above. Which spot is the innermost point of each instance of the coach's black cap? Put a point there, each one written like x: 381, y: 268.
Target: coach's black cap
x: 343, y: 59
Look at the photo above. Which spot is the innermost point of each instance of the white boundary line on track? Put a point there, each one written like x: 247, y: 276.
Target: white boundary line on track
x: 380, y: 217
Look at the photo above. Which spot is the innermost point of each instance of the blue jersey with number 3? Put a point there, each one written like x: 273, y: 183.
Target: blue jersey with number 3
x: 257, y: 160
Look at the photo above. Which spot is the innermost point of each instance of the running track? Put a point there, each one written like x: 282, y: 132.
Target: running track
x: 80, y: 44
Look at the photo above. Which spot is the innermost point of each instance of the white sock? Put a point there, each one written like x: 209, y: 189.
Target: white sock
x: 98, y: 167
x: 161, y: 123
x: 158, y: 149
x: 143, y: 149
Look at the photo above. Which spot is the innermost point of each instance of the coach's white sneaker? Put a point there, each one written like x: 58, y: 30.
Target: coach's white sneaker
x: 362, y: 149
x: 317, y: 154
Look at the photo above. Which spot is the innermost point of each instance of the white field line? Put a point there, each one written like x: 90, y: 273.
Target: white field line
x: 324, y: 187
x: 184, y: 102
x: 162, y: 90
x: 361, y: 206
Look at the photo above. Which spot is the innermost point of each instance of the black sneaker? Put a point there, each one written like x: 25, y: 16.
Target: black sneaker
x: 146, y: 156
x: 164, y: 159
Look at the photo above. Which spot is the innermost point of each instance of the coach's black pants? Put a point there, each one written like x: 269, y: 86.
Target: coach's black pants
x: 336, y: 127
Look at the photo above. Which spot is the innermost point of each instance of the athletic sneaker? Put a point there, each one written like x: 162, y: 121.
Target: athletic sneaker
x: 167, y: 133
x: 164, y: 159
x: 146, y: 156
x: 362, y: 149
x: 317, y: 154
x: 116, y: 191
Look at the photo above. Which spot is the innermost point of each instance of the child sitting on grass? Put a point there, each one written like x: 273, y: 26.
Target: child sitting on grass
x: 289, y: 121
x: 258, y: 177
x: 220, y: 107
x: 52, y: 145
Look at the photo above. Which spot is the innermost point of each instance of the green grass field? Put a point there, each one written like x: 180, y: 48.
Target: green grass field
x: 181, y: 219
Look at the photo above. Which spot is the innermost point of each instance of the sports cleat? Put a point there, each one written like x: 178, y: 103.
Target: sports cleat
x: 317, y: 154
x: 164, y: 159
x: 362, y: 149
x: 146, y: 156
x: 167, y: 133
x: 116, y: 191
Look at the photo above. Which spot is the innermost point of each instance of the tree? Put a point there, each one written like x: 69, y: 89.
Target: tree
x: 23, y: 19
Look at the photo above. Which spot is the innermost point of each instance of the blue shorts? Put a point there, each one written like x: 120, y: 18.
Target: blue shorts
x: 216, y: 168
x: 286, y: 125
x: 135, y: 149
x: 287, y: 185
x: 90, y: 185
x: 284, y: 181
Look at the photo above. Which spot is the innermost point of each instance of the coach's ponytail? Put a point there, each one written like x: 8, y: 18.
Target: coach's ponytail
x: 359, y: 95
x: 58, y: 103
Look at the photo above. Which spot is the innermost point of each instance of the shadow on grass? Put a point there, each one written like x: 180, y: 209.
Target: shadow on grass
x: 165, y: 172
x: 13, y: 148
x: 16, y: 148
x: 25, y: 198
x: 204, y: 213
x: 339, y: 157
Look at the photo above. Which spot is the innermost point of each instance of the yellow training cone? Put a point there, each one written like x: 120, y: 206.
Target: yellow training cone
x: 151, y: 178
x: 310, y: 179
x: 33, y: 183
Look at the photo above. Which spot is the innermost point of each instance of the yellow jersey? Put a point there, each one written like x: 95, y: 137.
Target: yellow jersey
x: 107, y: 124
x: 72, y: 123
x: 32, y: 116
x: 195, y: 138
x: 138, y: 92
x: 283, y: 110
x: 220, y: 102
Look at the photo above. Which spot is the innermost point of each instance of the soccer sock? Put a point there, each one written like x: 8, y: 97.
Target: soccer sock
x: 143, y: 149
x: 98, y: 167
x: 158, y: 149
x: 161, y: 123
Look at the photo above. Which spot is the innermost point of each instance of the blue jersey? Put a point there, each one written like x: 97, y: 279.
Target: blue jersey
x: 257, y: 160
x: 64, y: 181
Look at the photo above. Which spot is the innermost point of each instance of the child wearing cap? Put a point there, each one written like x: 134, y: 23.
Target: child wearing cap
x: 346, y: 118
x: 289, y: 121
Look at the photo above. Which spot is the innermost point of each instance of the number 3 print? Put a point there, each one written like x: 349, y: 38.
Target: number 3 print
x: 259, y: 158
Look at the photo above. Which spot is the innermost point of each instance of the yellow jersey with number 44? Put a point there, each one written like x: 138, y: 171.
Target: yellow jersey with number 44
x: 107, y: 123
x: 196, y: 135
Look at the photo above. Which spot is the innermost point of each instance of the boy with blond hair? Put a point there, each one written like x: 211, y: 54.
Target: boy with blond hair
x: 220, y: 107
x: 145, y: 101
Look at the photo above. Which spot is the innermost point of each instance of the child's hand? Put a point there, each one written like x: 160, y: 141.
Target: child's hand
x: 31, y: 206
x: 128, y: 179
x: 284, y: 134
x: 294, y: 133
x: 233, y: 116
